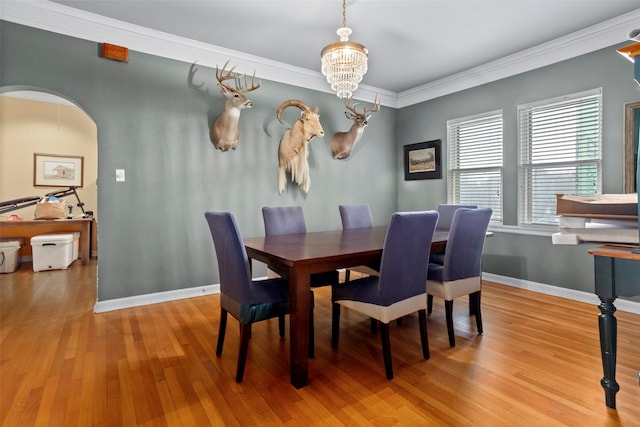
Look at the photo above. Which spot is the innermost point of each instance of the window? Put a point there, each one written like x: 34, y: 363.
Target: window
x: 560, y: 142
x: 475, y: 162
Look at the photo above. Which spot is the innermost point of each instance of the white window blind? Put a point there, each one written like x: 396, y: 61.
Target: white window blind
x: 560, y: 153
x: 475, y: 162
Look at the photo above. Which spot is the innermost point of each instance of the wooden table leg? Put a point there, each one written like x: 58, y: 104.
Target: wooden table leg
x: 299, y: 303
x: 607, y: 325
x: 85, y: 243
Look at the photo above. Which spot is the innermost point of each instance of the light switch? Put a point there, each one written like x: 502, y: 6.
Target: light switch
x: 119, y: 175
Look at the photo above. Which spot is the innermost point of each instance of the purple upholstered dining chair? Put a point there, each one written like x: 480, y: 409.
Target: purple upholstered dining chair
x: 357, y: 216
x: 399, y: 289
x: 460, y: 273
x: 283, y: 220
x: 249, y: 301
x: 446, y: 212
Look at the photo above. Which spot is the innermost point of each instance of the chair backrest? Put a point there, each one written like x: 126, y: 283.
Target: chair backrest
x: 233, y: 263
x: 405, y: 255
x: 446, y: 214
x: 283, y: 220
x: 463, y: 254
x: 355, y: 216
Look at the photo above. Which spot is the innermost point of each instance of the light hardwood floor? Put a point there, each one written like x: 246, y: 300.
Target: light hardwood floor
x: 537, y: 364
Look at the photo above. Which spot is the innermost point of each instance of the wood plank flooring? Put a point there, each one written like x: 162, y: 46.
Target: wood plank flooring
x: 537, y: 364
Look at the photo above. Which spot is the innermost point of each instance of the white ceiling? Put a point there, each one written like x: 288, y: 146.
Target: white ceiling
x: 411, y: 43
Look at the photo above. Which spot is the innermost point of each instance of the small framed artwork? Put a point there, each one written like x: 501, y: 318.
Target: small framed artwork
x: 422, y: 161
x: 54, y: 170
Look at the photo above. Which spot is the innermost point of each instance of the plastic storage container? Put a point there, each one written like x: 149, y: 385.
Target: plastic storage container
x: 9, y: 259
x: 54, y: 251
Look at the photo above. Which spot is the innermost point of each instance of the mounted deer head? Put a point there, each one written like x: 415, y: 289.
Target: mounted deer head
x: 224, y: 132
x: 343, y: 142
x: 293, y: 152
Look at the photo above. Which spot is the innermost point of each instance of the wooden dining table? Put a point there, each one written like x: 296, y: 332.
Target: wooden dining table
x: 300, y: 255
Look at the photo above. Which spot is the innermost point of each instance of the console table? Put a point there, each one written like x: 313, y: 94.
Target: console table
x: 27, y: 228
x: 617, y: 273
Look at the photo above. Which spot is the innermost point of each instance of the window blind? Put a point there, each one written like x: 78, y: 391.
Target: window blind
x: 560, y: 153
x: 475, y: 162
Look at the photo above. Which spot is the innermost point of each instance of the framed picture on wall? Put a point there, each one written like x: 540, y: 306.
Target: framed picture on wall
x: 55, y: 170
x: 422, y: 161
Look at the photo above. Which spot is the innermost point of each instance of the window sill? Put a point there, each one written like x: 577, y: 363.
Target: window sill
x: 530, y: 230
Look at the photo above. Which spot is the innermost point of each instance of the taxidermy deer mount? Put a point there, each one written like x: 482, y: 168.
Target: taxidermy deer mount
x: 293, y: 153
x: 343, y: 142
x: 224, y: 132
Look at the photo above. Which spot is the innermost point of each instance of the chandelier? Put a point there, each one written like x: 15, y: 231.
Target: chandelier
x: 344, y: 62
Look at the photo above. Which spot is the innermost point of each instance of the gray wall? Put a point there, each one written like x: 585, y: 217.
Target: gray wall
x: 526, y: 257
x: 153, y: 236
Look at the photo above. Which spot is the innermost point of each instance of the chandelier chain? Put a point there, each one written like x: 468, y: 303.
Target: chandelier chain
x: 344, y: 13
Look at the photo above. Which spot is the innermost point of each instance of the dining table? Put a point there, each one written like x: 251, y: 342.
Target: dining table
x: 300, y: 255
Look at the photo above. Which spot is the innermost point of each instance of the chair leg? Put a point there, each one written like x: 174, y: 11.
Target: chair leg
x: 429, y: 304
x: 424, y: 339
x: 386, y: 349
x: 335, y: 324
x: 221, y: 331
x: 347, y: 275
x: 448, y: 308
x: 472, y: 304
x: 476, y: 298
x: 245, y: 333
x: 374, y: 325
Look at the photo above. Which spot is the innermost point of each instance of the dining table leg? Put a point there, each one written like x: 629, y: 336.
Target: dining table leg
x: 300, y: 306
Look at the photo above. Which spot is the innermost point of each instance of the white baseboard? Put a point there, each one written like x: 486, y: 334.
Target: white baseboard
x: 572, y: 294
x: 586, y: 297
x: 139, y: 300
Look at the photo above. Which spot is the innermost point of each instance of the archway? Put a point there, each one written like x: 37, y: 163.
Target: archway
x: 36, y: 121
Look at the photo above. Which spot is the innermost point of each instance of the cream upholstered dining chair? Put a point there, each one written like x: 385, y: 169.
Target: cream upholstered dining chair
x: 290, y: 220
x: 247, y: 300
x: 460, y: 273
x: 356, y: 216
x: 399, y: 289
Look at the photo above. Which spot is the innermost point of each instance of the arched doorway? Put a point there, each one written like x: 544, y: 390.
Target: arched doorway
x: 39, y: 122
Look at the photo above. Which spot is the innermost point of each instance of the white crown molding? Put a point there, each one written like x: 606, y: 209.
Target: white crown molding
x: 599, y: 36
x: 57, y: 18
x: 68, y: 21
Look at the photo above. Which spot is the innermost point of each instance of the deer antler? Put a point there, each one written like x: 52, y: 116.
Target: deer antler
x: 221, y: 77
x: 253, y: 83
x: 352, y: 108
x: 376, y: 106
x: 348, y: 106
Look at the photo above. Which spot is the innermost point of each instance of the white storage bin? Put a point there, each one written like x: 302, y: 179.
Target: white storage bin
x: 9, y: 259
x: 75, y: 253
x: 54, y: 251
